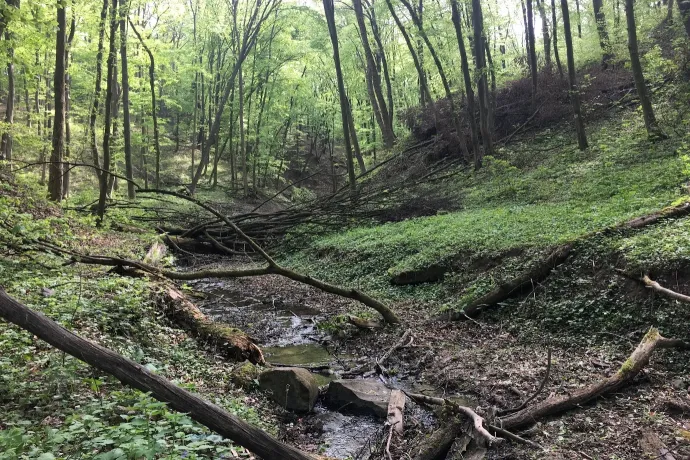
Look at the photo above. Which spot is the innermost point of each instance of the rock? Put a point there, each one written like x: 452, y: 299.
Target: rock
x: 294, y: 388
x: 362, y: 396
x: 245, y: 375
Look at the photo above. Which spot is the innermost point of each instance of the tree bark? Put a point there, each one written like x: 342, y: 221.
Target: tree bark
x: 653, y: 130
x: 95, y: 158
x: 532, y: 50
x: 555, y: 38
x: 572, y: 78
x: 378, y: 102
x: 467, y: 80
x: 154, y: 105
x: 139, y: 377
x: 127, y: 127
x: 56, y: 167
x: 329, y: 9
x: 684, y: 9
x: 545, y: 34
x: 602, y: 30
x: 482, y: 84
x: 109, y: 96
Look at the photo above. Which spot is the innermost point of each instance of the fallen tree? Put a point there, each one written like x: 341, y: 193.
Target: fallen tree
x: 135, y: 375
x: 228, y: 341
x: 625, y: 374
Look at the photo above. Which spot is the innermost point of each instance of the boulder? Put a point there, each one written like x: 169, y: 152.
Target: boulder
x: 294, y: 388
x: 360, y: 396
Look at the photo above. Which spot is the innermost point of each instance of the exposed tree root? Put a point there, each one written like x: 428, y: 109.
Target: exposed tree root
x: 630, y: 368
x: 230, y: 342
x: 138, y: 376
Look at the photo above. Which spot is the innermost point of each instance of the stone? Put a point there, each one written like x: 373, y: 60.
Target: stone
x: 294, y: 388
x: 245, y: 375
x: 360, y: 396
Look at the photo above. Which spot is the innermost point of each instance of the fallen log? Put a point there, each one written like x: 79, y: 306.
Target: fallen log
x: 526, y: 279
x: 228, y: 341
x: 137, y: 376
x: 630, y: 368
x: 681, y: 210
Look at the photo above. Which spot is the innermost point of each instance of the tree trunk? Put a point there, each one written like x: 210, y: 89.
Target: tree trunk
x: 532, y: 50
x: 329, y: 9
x: 545, y: 34
x: 684, y: 9
x: 413, y: 53
x: 467, y: 79
x: 109, y: 96
x: 355, y: 141
x: 127, y: 127
x: 446, y: 87
x: 602, y: 30
x: 482, y: 85
x: 243, y: 141
x: 653, y: 130
x: 154, y: 111
x: 139, y: 377
x: 384, y: 64
x: 572, y: 78
x: 579, y: 19
x: 378, y: 102
x: 555, y: 38
x: 97, y: 96
x: 6, y: 147
x: 56, y: 167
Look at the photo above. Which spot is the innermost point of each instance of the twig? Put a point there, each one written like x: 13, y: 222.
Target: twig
x: 514, y: 437
x: 539, y: 390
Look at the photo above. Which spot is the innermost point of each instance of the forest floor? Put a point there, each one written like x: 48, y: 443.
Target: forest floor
x: 536, y: 194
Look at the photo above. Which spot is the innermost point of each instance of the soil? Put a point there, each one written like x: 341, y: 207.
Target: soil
x: 490, y: 368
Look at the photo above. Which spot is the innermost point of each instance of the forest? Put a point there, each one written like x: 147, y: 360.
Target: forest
x: 277, y: 229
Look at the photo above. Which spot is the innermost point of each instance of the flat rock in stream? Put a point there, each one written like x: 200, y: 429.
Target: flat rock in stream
x: 360, y: 396
x: 293, y: 388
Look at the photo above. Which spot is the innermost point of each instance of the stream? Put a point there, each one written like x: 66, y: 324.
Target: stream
x: 288, y: 335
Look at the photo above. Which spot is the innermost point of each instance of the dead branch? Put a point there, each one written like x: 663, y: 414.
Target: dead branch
x: 630, y: 368
x: 502, y: 292
x: 396, y: 406
x: 539, y: 390
x: 476, y: 419
x: 274, y: 268
x: 664, y: 291
x: 139, y: 377
x: 513, y: 437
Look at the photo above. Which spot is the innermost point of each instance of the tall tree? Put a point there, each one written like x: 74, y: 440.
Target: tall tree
x: 467, y: 80
x: 653, y: 130
x: 127, y: 127
x: 55, y: 170
x: 154, y: 105
x: 602, y: 30
x: 107, y: 125
x: 482, y: 81
x: 546, y: 36
x: 95, y: 157
x: 572, y: 78
x: 329, y: 9
x: 373, y: 77
x: 6, y: 143
x: 532, y: 49
x: 555, y: 38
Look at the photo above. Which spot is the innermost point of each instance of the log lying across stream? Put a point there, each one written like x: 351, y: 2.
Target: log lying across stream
x: 137, y: 376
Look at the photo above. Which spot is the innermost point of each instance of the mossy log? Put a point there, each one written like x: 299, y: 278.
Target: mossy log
x: 230, y: 342
x: 625, y: 374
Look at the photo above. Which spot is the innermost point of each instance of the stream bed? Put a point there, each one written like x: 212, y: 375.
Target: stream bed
x: 288, y: 335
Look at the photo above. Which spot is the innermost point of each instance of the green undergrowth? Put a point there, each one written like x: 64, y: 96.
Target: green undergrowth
x: 56, y: 407
x: 551, y: 198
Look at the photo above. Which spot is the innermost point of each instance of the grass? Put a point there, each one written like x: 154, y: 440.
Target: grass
x: 535, y: 196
